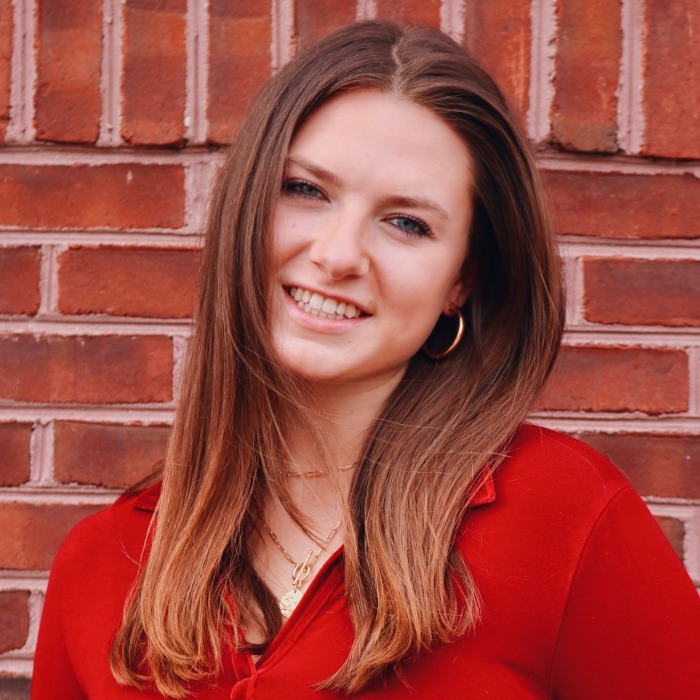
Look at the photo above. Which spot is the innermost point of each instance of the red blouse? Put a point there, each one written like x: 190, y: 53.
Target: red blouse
x: 582, y: 597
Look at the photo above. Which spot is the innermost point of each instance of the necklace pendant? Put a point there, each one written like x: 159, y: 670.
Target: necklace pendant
x: 289, y: 601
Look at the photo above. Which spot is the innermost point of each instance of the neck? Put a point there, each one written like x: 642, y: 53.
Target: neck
x: 343, y: 417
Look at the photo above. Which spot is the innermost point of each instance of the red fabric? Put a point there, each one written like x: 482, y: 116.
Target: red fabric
x: 582, y: 598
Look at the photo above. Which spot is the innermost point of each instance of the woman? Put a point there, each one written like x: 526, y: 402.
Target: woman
x: 350, y: 503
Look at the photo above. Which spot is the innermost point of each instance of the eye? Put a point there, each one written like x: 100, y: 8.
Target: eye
x: 411, y: 225
x: 302, y: 189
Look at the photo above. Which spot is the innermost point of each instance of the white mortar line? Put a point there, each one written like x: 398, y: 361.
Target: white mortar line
x: 630, y: 105
x: 452, y: 19
x: 36, y: 604
x: 15, y: 668
x: 366, y: 9
x: 573, y: 275
x: 11, y: 580
x: 618, y: 164
x: 691, y: 546
x: 197, y: 46
x: 46, y: 283
x: 282, y: 38
x: 62, y: 497
x: 20, y: 128
x: 136, y: 414
x: 615, y: 423
x: 634, y: 249
x: 42, y: 451
x: 112, y: 64
x: 199, y: 178
x: 94, y: 325
x: 75, y: 155
x: 590, y: 335
x: 179, y: 356
x: 543, y: 23
x: 694, y: 381
x: 154, y: 239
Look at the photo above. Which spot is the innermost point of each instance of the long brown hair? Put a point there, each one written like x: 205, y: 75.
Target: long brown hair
x: 446, y: 420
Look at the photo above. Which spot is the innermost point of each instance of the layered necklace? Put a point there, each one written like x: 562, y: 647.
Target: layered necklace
x: 301, y: 569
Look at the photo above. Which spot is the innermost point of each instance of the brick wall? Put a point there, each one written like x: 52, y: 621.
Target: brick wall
x: 112, y: 114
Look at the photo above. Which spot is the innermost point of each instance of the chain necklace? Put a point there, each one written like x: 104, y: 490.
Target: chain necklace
x: 316, y: 473
x: 301, y: 569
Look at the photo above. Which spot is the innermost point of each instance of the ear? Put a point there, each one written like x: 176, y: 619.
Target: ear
x: 463, y: 287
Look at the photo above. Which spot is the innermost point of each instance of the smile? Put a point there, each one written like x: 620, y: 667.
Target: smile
x: 324, y: 307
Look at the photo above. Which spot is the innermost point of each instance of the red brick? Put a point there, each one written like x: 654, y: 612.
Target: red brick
x: 316, y: 18
x: 618, y: 379
x: 5, y: 65
x: 674, y: 530
x: 672, y: 90
x: 662, y: 466
x: 584, y: 113
x: 498, y: 32
x: 19, y: 272
x: 14, y: 448
x: 32, y: 534
x: 102, y: 454
x: 642, y: 292
x: 129, y: 195
x: 410, y: 11
x: 126, y: 281
x: 154, y: 72
x: 239, y: 61
x: 14, y: 619
x: 96, y: 369
x: 69, y: 56
x: 625, y: 206
x: 14, y: 688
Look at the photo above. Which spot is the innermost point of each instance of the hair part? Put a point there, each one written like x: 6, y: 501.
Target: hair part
x: 407, y: 587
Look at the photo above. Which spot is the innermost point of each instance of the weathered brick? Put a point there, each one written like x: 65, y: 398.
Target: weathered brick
x: 14, y: 619
x: 661, y: 466
x: 80, y: 369
x: 674, y: 530
x: 410, y: 11
x: 5, y: 65
x: 672, y: 90
x: 129, y: 195
x: 154, y: 72
x: 127, y: 281
x: 642, y: 292
x: 19, y: 272
x: 12, y: 688
x: 625, y: 206
x: 584, y: 114
x: 69, y: 55
x: 32, y: 533
x: 105, y: 454
x: 618, y: 379
x: 239, y: 61
x: 499, y: 33
x: 14, y: 451
x: 316, y: 18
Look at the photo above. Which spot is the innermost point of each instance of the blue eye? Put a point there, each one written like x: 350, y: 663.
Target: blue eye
x: 410, y: 225
x: 301, y: 188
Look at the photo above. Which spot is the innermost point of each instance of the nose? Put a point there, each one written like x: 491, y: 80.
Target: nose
x: 339, y: 248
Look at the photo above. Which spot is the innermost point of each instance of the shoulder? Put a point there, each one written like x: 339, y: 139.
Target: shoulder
x: 110, y: 539
x: 547, y: 467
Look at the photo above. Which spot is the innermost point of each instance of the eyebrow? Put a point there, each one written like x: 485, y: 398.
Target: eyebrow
x: 396, y: 200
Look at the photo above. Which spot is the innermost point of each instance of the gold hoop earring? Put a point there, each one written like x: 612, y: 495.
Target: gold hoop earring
x: 453, y: 345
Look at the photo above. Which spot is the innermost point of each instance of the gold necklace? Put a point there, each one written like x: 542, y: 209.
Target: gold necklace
x: 301, y: 570
x: 315, y: 473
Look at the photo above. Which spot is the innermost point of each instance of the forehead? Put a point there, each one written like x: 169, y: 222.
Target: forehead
x: 376, y: 135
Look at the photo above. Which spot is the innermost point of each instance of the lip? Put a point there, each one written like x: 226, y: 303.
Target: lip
x: 314, y: 290
x: 317, y: 323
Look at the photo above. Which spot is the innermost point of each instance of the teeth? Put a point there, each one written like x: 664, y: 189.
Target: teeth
x: 329, y: 306
x: 324, y: 307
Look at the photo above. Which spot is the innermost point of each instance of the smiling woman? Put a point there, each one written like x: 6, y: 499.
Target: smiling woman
x: 351, y: 503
